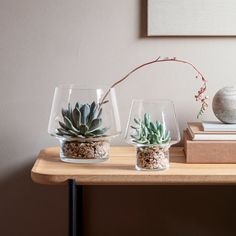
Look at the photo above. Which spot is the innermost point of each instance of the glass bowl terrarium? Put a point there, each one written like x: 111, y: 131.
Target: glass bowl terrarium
x: 84, y: 120
x: 152, y: 128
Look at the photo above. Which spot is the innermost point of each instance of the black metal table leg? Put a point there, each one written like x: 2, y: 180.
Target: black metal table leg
x: 79, y: 222
x: 72, y: 208
x: 75, y: 209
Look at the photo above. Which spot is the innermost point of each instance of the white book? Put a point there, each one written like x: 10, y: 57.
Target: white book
x: 196, y: 132
x: 218, y: 126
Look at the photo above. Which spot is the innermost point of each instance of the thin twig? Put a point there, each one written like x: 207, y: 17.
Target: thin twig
x: 199, y: 97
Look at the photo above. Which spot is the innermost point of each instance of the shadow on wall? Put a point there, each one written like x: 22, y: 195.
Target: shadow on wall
x: 143, y: 19
x: 28, y: 209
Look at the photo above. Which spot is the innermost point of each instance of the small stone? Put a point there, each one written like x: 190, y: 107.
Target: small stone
x: 86, y: 150
x: 156, y: 157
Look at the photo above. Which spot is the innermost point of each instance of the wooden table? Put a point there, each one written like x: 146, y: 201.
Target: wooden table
x: 120, y: 170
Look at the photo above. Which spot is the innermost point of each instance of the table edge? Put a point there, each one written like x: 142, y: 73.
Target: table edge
x: 50, y: 179
x: 46, y: 179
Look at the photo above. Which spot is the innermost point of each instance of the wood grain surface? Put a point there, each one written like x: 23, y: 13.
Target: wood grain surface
x: 120, y: 170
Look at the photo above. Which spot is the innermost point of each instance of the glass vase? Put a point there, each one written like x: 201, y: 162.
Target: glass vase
x: 84, y: 120
x: 152, y: 128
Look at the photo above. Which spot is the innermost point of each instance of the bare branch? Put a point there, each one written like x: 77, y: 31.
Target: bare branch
x: 200, y: 96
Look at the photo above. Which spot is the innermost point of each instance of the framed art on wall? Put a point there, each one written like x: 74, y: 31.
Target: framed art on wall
x: 191, y: 18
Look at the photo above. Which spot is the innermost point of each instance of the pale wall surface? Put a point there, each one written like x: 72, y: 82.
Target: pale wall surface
x: 45, y: 43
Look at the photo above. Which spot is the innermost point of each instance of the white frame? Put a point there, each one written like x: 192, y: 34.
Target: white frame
x: 191, y: 17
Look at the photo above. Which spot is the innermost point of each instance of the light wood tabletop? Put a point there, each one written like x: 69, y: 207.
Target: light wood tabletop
x: 120, y: 170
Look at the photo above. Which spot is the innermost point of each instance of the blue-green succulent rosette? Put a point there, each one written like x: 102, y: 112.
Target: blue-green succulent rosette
x: 148, y: 133
x: 84, y: 121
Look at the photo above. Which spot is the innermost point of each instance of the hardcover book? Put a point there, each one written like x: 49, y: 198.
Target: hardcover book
x: 197, y: 132
x: 218, y: 126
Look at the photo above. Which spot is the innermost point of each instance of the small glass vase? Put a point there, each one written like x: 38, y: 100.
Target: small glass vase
x: 152, y: 128
x: 84, y: 122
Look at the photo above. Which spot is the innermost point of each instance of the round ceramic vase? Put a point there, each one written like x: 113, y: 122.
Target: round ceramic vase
x: 224, y: 105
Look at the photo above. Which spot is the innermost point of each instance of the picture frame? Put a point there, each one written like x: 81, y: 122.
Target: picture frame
x: 191, y: 18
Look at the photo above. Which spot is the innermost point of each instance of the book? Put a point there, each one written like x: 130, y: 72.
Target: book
x: 196, y: 132
x: 218, y: 126
x: 209, y: 152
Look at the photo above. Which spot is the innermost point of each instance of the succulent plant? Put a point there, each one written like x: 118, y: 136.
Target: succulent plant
x: 83, y: 121
x: 148, y: 132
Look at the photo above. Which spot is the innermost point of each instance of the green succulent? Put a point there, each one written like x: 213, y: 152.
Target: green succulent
x: 148, y: 132
x: 84, y: 120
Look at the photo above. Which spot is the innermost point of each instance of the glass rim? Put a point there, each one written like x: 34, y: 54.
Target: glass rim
x: 67, y: 138
x: 152, y: 100
x: 83, y: 87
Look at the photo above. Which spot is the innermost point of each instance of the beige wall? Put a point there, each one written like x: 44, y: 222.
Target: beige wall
x: 45, y: 43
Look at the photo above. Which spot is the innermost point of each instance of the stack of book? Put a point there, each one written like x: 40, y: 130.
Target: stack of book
x: 210, y: 142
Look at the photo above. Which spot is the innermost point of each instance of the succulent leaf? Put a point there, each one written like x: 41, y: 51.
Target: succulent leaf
x: 76, y: 117
x: 147, y: 120
x: 148, y: 132
x: 83, y: 129
x: 69, y: 124
x: 62, y: 132
x: 92, y: 112
x: 73, y: 133
x: 77, y: 105
x: 137, y: 121
x: 84, y: 120
x: 85, y: 109
x: 63, y: 112
x: 153, y: 127
x: 96, y: 123
x: 134, y: 127
x: 92, y: 107
x: 100, y: 132
x: 63, y: 126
